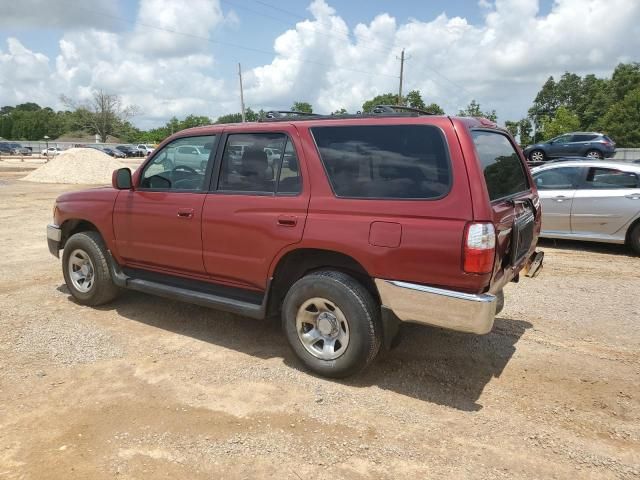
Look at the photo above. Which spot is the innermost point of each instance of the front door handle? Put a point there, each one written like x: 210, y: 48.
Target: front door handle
x: 287, y: 220
x: 633, y: 196
x: 185, y: 212
x: 560, y: 198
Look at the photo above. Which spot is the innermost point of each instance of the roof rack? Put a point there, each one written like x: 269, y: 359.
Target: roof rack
x: 378, y: 111
x: 393, y: 108
x: 288, y: 113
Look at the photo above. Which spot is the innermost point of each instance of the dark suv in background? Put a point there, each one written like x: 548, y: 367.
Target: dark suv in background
x: 582, y: 144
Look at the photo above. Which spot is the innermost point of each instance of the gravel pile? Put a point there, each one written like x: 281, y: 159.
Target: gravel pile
x: 77, y: 165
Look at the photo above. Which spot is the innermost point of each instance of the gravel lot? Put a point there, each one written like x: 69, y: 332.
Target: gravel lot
x: 150, y: 388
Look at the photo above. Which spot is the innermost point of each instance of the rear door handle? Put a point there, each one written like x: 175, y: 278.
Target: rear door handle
x: 560, y: 198
x: 287, y: 220
x: 185, y: 212
x: 633, y: 196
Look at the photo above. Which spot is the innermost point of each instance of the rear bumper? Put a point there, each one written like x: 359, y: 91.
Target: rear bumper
x: 54, y: 237
x: 414, y: 303
x: 438, y: 307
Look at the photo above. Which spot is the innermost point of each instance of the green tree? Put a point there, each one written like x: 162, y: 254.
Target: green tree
x: 625, y: 78
x: 474, y: 110
x: 545, y: 103
x: 302, y: 107
x: 104, y: 115
x: 384, y: 99
x: 434, y: 108
x: 524, y: 130
x: 562, y: 122
x: 340, y: 111
x: 622, y: 121
x: 414, y: 100
x: 512, y: 127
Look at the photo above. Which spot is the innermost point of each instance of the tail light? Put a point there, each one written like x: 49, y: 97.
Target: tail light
x: 479, y: 248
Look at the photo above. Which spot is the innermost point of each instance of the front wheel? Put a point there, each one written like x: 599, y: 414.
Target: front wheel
x: 537, y: 156
x: 86, y: 269
x: 332, y: 323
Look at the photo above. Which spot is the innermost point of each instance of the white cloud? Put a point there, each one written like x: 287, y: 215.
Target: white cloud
x: 501, y: 61
x: 194, y: 19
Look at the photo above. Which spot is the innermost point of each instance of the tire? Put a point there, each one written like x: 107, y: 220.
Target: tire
x: 537, y: 156
x: 332, y: 300
x: 634, y: 238
x: 594, y: 154
x: 88, y: 250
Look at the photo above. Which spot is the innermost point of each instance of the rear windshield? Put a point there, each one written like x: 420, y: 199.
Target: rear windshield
x: 503, y: 170
x: 385, y: 161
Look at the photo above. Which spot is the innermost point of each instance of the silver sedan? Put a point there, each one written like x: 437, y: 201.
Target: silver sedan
x: 590, y: 200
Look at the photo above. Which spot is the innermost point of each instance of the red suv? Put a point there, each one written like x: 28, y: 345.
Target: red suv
x: 344, y: 226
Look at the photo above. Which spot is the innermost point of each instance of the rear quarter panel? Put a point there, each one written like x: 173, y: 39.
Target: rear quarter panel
x: 431, y: 231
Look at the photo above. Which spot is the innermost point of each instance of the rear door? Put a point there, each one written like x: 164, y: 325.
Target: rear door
x: 158, y: 224
x: 608, y: 200
x: 557, y: 188
x: 513, y: 201
x: 256, y: 207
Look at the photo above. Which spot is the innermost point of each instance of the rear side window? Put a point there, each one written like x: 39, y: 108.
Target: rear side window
x: 610, y: 178
x: 503, y: 170
x: 583, y: 138
x: 385, y: 161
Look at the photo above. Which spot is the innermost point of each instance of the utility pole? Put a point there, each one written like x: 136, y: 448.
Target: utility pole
x: 401, y: 75
x: 241, y: 93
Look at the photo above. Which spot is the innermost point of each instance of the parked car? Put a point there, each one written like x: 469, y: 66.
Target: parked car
x: 569, y: 159
x: 51, y: 152
x: 113, y: 152
x: 145, y: 149
x: 582, y: 144
x: 590, y: 200
x: 5, y: 148
x: 377, y: 220
x: 17, y: 149
x: 129, y: 151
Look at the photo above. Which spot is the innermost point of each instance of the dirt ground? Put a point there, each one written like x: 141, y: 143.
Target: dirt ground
x: 151, y: 388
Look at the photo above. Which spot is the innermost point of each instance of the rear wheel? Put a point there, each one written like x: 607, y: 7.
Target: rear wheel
x: 332, y: 323
x: 537, y: 156
x: 594, y: 154
x: 86, y: 270
x: 634, y: 238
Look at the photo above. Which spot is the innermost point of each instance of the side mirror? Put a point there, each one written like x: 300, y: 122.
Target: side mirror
x: 121, y: 179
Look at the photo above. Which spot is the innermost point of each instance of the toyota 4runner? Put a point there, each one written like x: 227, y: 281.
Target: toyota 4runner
x: 361, y: 222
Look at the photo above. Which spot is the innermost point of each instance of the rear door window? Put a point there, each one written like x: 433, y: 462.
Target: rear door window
x: 503, y: 171
x: 385, y: 161
x: 610, y: 178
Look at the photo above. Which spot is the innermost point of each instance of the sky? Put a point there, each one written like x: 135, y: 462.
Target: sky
x: 174, y: 58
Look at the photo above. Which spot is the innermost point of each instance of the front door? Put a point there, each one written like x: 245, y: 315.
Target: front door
x: 257, y: 206
x: 560, y: 146
x: 557, y: 188
x: 157, y: 225
x: 609, y: 200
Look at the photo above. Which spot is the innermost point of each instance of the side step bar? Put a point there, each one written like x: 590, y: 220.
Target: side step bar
x: 218, y: 302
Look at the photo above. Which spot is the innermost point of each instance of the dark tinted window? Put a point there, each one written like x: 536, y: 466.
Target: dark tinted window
x: 385, y: 161
x: 565, y: 178
x: 289, y: 177
x: 503, y: 170
x: 583, y: 138
x: 250, y: 162
x: 611, y: 178
x: 180, y: 165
